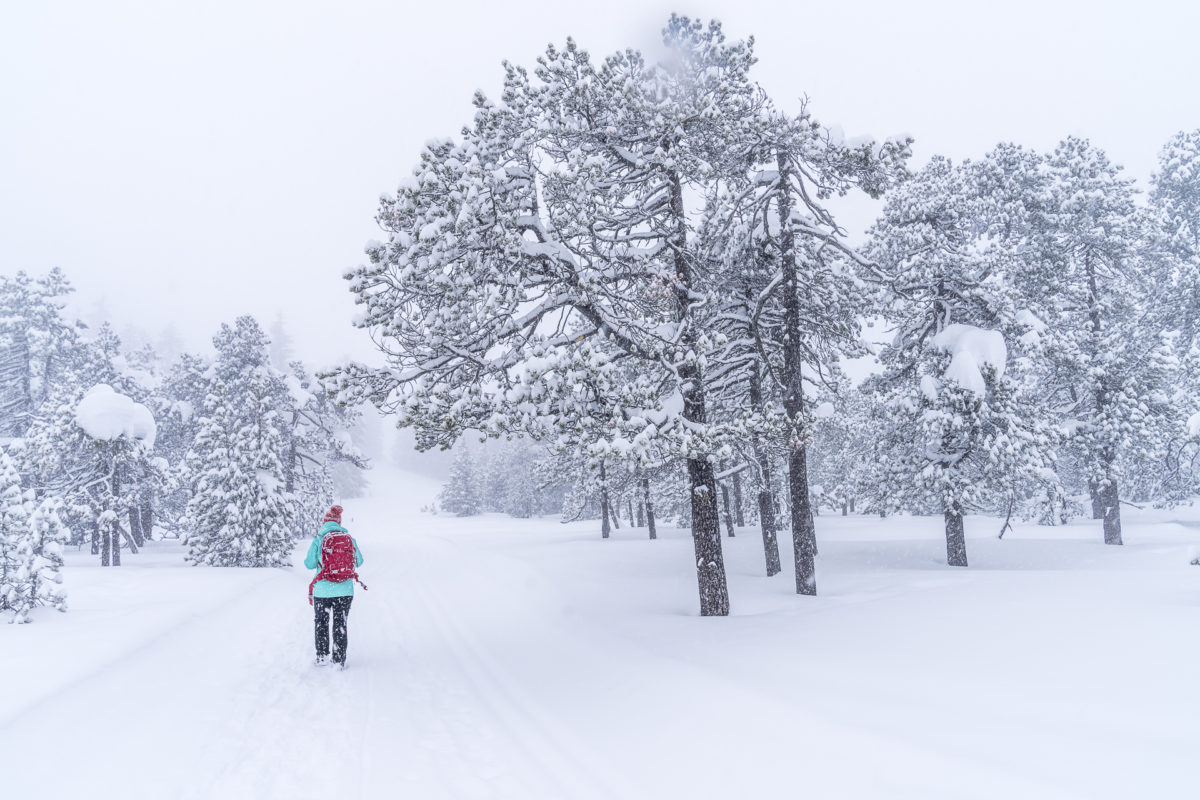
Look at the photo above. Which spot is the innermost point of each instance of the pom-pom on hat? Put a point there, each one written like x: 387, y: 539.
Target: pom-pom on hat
x: 334, y: 515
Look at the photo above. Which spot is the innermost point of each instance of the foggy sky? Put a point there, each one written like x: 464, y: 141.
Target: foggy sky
x: 188, y: 162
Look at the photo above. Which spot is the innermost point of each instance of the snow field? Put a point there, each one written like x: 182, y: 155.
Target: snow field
x: 497, y: 658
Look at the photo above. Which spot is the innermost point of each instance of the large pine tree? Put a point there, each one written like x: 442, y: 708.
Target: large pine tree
x: 1110, y: 366
x: 957, y: 434
x: 241, y: 514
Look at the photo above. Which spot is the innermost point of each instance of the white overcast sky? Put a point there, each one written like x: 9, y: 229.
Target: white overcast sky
x: 188, y: 162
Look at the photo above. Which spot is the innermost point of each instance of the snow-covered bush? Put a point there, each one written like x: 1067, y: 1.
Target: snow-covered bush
x: 32, y: 535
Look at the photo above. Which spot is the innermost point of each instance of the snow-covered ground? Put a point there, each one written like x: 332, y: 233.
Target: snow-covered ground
x: 504, y: 658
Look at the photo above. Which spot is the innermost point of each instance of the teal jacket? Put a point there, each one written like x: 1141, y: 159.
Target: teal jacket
x: 313, y: 561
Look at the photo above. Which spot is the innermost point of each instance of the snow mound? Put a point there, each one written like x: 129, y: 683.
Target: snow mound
x: 971, y: 349
x: 107, y: 415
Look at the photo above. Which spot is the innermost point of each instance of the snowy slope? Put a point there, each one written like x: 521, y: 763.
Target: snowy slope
x: 503, y: 658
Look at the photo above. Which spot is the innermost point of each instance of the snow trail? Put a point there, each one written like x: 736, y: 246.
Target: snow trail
x: 422, y: 706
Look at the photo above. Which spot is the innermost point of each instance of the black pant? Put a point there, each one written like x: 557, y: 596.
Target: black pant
x: 341, y: 611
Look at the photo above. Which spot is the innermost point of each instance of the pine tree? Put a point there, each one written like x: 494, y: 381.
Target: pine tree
x: 512, y: 290
x: 843, y: 441
x: 1111, y: 369
x: 32, y: 535
x: 460, y: 495
x: 787, y: 258
x: 184, y: 391
x: 35, y: 341
x: 241, y: 514
x: 42, y: 557
x: 14, y: 524
x: 957, y: 434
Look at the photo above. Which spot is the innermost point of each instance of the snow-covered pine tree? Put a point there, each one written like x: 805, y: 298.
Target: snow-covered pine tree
x: 184, y: 390
x: 1175, y: 206
x: 553, y: 243
x: 1111, y: 370
x: 460, y: 495
x: 523, y: 497
x: 843, y: 448
x: 35, y: 341
x: 241, y: 514
x: 781, y: 247
x: 742, y: 275
x: 39, y: 556
x: 14, y: 526
x: 1175, y: 202
x: 956, y: 435
x: 93, y: 450
x: 492, y: 480
x: 508, y: 480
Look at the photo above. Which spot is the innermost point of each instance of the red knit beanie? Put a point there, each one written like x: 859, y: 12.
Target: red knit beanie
x: 334, y: 515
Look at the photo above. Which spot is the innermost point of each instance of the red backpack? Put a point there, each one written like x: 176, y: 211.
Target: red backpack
x: 337, y: 561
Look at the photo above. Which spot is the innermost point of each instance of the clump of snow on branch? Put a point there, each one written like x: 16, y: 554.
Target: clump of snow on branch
x: 971, y: 349
x: 107, y: 415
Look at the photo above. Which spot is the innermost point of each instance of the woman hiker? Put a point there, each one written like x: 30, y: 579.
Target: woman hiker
x: 335, y: 555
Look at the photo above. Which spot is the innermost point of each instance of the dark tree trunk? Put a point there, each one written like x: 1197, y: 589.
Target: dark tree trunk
x: 956, y: 542
x: 766, y: 504
x: 728, y: 515
x: 604, y: 522
x: 641, y: 514
x: 1097, y: 500
x: 766, y: 518
x: 804, y: 540
x: 289, y: 471
x: 135, y: 526
x: 112, y: 531
x: 811, y: 514
x: 845, y: 509
x: 106, y: 548
x: 851, y: 505
x: 738, y: 517
x: 1112, y: 511
x: 616, y: 520
x: 95, y: 538
x: 649, y: 507
x: 1106, y: 498
x: 147, y: 512
x: 629, y: 499
x: 706, y: 539
x: 706, y: 531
